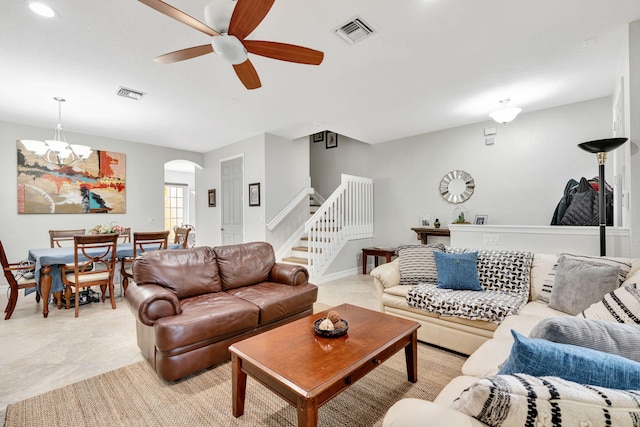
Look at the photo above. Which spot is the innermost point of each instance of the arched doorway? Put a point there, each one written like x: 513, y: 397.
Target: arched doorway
x: 179, y: 196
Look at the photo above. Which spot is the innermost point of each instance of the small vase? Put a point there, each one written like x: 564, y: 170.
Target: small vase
x: 436, y: 223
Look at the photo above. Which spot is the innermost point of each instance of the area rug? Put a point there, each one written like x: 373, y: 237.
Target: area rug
x: 135, y: 396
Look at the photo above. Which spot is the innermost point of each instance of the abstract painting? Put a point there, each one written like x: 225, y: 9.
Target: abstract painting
x: 94, y: 185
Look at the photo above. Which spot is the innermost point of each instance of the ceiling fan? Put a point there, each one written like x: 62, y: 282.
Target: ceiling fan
x: 233, y: 25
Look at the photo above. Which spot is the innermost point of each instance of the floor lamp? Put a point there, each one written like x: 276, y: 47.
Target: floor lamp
x: 601, y: 147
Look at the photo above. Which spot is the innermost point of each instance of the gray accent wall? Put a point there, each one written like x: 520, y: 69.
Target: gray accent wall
x: 350, y: 157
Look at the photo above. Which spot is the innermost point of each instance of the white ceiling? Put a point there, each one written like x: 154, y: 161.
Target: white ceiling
x: 433, y: 64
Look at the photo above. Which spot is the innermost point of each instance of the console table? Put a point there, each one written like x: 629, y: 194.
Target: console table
x: 424, y: 232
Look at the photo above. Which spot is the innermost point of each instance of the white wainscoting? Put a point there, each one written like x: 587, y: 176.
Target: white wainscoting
x: 542, y: 239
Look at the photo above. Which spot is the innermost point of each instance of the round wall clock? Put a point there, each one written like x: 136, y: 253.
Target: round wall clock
x: 457, y: 186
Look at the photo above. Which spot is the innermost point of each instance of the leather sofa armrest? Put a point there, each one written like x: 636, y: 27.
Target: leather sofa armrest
x: 151, y: 302
x: 289, y: 274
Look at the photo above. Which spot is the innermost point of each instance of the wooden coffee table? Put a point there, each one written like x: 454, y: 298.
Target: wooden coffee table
x: 308, y: 370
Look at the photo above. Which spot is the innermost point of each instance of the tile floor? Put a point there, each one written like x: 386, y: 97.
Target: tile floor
x: 38, y: 355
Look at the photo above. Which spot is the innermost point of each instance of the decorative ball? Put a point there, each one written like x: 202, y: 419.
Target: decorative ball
x: 339, y: 324
x: 326, y: 325
x: 334, y: 316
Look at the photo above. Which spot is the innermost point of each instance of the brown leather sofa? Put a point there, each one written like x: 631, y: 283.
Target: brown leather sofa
x: 192, y: 304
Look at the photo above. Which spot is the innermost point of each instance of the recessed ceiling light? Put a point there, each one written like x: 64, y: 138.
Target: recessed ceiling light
x: 42, y: 9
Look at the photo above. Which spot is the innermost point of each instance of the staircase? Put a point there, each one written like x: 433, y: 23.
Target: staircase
x: 347, y: 214
x: 300, y: 253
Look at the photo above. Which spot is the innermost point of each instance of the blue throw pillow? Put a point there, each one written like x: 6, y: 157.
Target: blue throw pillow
x: 458, y: 271
x: 582, y: 365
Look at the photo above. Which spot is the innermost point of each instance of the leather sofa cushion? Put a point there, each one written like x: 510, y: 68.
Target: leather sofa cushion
x: 208, y: 317
x: 185, y: 272
x: 277, y: 301
x: 244, y: 264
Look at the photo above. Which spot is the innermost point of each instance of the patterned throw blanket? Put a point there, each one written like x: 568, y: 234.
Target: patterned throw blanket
x: 492, y: 306
x: 505, y: 277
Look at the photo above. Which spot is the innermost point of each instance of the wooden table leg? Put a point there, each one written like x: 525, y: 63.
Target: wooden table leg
x: 307, y: 412
x: 411, y: 356
x: 45, y: 288
x: 238, y: 386
x: 364, y: 262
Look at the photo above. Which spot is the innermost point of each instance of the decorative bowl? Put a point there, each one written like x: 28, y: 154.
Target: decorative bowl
x: 330, y: 334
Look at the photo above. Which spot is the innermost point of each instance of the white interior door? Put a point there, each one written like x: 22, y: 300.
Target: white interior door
x: 231, y: 198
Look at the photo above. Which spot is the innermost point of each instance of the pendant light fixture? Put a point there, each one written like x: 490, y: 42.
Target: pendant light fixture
x: 57, y: 150
x: 505, y: 114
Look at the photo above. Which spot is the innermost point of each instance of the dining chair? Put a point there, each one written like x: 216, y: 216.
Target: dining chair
x: 181, y: 236
x: 57, y: 237
x: 94, y: 264
x: 191, y: 238
x: 125, y: 236
x: 19, y: 276
x: 142, y: 241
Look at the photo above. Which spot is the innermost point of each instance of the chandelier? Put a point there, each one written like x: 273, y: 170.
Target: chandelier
x: 57, y: 150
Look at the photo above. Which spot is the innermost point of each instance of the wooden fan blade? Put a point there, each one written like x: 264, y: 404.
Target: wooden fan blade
x: 284, y: 52
x: 181, y: 55
x: 247, y: 15
x: 180, y: 16
x: 247, y: 75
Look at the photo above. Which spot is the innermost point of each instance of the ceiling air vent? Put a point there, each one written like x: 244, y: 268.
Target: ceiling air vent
x: 355, y: 30
x: 130, y: 93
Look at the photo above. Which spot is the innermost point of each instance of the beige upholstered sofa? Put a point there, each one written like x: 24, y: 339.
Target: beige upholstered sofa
x: 454, y: 333
x: 488, y: 345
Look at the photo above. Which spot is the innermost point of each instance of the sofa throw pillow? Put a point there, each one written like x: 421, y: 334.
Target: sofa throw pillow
x: 458, y: 271
x: 539, y: 358
x: 623, y: 263
x: 525, y: 400
x: 579, y: 284
x: 500, y: 270
x: 614, y: 338
x: 417, y: 265
x: 621, y: 306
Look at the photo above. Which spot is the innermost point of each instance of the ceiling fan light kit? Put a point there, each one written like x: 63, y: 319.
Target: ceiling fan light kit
x: 230, y: 48
x: 229, y: 23
x: 505, y: 114
x: 217, y: 14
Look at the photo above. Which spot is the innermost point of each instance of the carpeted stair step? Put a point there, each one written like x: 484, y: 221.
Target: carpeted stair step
x: 304, y: 249
x: 296, y: 260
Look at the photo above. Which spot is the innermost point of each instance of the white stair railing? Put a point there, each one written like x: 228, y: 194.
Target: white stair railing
x: 302, y: 195
x: 347, y: 214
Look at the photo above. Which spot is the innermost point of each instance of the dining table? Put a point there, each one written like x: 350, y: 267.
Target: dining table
x: 47, y: 268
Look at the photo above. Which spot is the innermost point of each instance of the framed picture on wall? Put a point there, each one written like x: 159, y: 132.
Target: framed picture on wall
x: 254, y: 194
x: 317, y: 137
x: 331, y: 139
x: 212, y: 198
